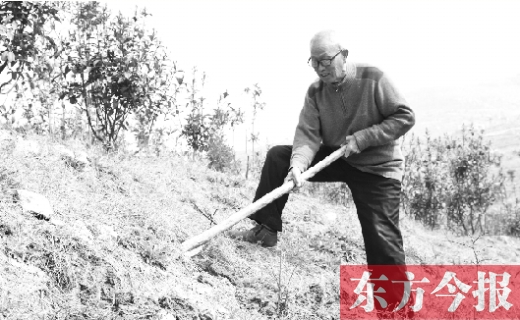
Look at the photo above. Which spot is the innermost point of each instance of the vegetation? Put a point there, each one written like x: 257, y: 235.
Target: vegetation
x: 205, y: 132
x: 117, y: 69
x: 111, y: 75
x: 457, y: 183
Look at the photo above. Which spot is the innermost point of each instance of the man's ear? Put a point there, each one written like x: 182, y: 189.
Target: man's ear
x: 344, y: 52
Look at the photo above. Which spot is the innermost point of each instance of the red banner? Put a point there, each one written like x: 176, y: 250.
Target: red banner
x: 430, y: 292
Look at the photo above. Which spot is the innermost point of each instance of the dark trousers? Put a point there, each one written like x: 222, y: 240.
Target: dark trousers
x: 376, y: 199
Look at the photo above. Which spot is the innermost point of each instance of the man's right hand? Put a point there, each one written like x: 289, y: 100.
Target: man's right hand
x: 296, y: 176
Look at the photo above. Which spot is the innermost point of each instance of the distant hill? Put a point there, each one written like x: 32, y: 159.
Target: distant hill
x: 494, y: 108
x: 443, y: 110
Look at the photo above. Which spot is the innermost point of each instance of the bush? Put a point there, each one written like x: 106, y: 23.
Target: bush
x: 221, y: 156
x: 451, y: 181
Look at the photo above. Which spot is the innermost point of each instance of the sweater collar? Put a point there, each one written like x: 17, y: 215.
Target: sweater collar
x: 350, y: 75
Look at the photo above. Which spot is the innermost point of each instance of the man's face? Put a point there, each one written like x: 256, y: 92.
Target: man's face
x: 334, y: 72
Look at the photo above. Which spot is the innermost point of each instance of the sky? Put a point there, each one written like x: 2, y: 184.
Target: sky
x: 419, y: 44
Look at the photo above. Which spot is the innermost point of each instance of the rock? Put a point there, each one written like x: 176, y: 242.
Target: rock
x: 35, y: 204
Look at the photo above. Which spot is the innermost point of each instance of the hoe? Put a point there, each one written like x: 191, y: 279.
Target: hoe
x: 195, y: 244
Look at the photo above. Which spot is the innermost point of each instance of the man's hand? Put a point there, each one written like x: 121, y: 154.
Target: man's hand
x: 352, y: 146
x: 296, y: 176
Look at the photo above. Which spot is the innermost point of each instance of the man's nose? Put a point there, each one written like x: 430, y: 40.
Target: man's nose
x: 321, y: 67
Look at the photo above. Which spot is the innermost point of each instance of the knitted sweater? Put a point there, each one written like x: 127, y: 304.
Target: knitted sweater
x: 366, y: 105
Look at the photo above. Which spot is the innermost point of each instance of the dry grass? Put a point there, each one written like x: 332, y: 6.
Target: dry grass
x: 117, y: 255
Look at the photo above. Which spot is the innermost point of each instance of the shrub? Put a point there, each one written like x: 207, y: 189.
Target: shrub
x: 450, y: 182
x: 221, y: 156
x: 200, y: 127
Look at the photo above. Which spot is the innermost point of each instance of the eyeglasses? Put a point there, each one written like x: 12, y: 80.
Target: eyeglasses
x: 313, y: 62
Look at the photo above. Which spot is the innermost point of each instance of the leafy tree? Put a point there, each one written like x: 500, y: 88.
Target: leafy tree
x: 23, y: 37
x: 221, y: 155
x: 116, y: 68
x: 198, y: 129
x: 452, y: 182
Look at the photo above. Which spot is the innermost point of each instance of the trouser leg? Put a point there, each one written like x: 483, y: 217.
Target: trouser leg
x: 274, y: 171
x: 377, y: 202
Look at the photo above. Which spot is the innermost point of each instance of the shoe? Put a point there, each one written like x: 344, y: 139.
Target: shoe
x: 261, y: 234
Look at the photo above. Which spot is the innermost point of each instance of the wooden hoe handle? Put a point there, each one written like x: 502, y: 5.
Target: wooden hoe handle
x: 191, y: 245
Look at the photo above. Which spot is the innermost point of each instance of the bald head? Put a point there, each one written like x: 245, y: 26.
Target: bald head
x: 326, y: 39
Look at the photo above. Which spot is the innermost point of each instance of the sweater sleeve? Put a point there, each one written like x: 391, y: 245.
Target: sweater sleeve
x: 398, y: 117
x: 307, y: 137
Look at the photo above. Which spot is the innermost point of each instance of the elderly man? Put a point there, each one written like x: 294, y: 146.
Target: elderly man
x: 352, y: 104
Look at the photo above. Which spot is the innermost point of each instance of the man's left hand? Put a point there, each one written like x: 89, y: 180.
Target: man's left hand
x: 352, y: 146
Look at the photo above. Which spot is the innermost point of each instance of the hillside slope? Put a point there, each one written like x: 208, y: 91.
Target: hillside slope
x: 116, y: 254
